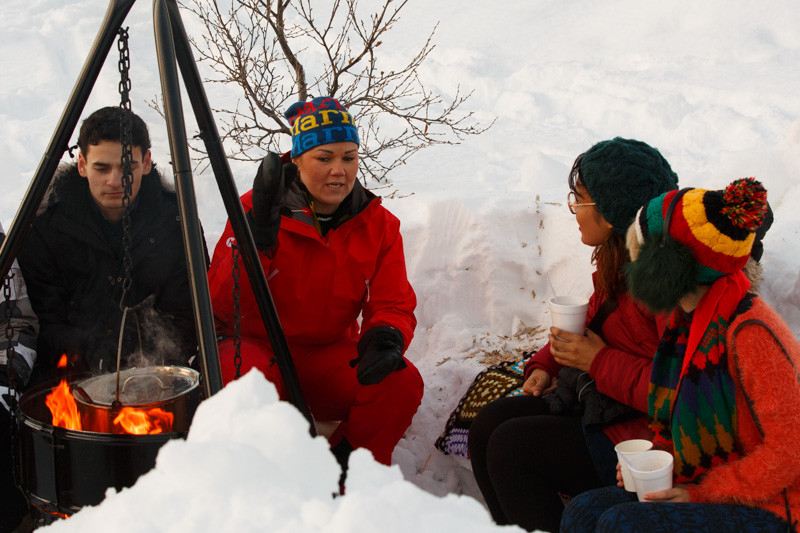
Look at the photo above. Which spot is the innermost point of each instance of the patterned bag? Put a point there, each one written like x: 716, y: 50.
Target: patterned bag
x: 503, y: 379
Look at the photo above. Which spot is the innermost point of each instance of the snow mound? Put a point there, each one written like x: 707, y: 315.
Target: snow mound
x: 249, y: 464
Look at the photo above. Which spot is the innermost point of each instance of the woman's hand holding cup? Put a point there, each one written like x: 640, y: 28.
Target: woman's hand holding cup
x: 573, y: 350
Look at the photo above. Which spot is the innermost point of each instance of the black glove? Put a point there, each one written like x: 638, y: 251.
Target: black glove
x: 5, y: 434
x: 380, y: 352
x: 100, y: 353
x: 6, y: 403
x: 272, y: 181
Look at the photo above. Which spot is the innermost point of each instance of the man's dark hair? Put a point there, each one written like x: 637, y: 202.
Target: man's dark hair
x: 104, y: 125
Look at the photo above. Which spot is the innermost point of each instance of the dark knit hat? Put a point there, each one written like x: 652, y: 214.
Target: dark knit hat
x: 323, y: 120
x: 709, y: 234
x: 621, y: 175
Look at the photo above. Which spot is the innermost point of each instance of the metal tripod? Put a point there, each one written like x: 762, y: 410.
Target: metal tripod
x: 174, y: 53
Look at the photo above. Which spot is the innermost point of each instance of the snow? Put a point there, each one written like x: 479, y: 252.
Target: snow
x: 712, y: 84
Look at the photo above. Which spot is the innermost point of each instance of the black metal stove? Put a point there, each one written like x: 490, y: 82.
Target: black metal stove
x: 62, y: 470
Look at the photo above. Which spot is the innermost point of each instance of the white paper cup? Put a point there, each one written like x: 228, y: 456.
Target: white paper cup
x: 629, y: 448
x: 651, y: 471
x: 569, y: 313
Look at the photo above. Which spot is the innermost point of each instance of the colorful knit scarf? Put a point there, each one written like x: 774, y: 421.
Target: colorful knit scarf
x: 691, y: 399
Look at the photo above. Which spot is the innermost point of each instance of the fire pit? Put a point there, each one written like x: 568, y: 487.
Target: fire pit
x: 138, y: 401
x: 65, y: 467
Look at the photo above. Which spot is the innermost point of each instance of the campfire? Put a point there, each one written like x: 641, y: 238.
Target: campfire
x: 125, y: 420
x: 140, y: 422
x: 62, y: 405
x: 80, y: 435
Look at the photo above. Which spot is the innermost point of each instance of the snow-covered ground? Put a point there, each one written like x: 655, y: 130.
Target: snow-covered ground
x: 714, y: 85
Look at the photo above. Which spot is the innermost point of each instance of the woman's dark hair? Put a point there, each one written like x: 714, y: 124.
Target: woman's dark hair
x: 610, y: 256
x: 104, y: 125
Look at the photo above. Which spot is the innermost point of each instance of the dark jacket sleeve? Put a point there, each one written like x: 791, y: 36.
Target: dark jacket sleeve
x: 16, y: 312
x: 174, y: 303
x: 48, y: 300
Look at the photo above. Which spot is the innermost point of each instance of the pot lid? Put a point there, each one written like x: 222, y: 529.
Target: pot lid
x: 137, y: 386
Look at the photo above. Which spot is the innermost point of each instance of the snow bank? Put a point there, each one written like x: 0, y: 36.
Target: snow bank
x: 249, y: 464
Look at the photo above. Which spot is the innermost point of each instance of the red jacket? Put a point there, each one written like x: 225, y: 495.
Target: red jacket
x: 764, y: 361
x: 320, y: 285
x: 621, y: 369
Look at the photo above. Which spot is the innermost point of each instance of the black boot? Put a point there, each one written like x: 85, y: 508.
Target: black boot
x: 342, y: 453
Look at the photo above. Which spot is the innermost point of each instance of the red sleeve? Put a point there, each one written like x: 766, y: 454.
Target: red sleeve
x: 622, y: 369
x: 542, y: 359
x: 220, y: 277
x: 390, y: 298
x: 622, y: 376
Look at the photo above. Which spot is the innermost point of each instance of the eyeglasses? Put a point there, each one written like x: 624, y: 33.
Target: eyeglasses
x: 572, y: 202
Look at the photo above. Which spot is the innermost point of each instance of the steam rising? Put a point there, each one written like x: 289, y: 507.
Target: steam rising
x: 157, y: 339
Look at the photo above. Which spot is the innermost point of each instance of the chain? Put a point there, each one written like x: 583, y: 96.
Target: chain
x: 12, y: 375
x: 126, y: 139
x: 10, y: 351
x: 237, y: 314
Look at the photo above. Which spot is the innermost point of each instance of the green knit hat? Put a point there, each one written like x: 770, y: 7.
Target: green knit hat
x: 622, y: 175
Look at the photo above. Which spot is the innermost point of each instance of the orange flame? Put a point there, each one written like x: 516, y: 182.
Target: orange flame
x: 141, y: 422
x: 62, y: 405
x: 64, y: 409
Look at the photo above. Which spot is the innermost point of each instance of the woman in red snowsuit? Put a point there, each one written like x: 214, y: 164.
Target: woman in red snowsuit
x: 331, y: 254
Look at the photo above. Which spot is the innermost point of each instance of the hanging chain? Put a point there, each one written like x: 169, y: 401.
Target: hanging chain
x: 237, y: 314
x: 12, y: 375
x: 10, y: 351
x: 126, y: 139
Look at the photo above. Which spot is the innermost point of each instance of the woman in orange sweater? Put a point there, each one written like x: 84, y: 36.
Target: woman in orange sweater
x: 725, y: 384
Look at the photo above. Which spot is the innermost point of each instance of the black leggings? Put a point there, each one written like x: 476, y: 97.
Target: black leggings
x: 523, y: 458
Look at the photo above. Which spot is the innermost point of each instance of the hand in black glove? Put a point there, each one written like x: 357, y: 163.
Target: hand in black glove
x: 6, y: 401
x: 100, y: 353
x: 380, y: 352
x: 269, y: 192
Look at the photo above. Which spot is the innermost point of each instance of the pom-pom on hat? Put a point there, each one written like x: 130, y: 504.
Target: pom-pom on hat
x: 323, y: 120
x: 691, y: 237
x: 621, y: 175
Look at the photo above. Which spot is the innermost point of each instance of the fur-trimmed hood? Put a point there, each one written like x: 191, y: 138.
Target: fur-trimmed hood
x: 69, y: 186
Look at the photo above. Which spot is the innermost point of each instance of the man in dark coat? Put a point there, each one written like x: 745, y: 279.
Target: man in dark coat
x: 73, y: 261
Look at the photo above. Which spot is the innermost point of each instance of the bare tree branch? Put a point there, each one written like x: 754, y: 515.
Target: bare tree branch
x: 280, y: 51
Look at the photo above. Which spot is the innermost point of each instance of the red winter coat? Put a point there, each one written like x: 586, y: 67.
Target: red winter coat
x: 320, y: 285
x: 621, y: 369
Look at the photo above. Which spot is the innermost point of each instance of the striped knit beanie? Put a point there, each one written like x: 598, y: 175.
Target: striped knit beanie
x: 709, y: 234
x: 323, y: 120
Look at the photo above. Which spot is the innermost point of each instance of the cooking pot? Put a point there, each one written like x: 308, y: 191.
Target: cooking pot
x: 173, y: 389
x: 62, y: 470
